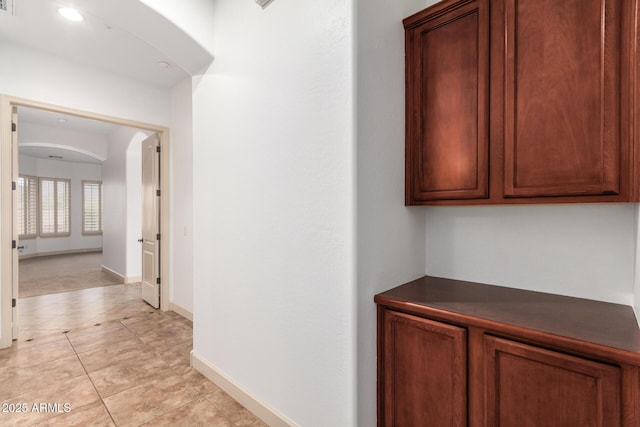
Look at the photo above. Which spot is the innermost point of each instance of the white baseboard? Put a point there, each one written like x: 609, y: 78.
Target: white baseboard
x: 67, y: 252
x: 184, y: 312
x: 261, y: 410
x: 126, y: 280
x: 113, y: 273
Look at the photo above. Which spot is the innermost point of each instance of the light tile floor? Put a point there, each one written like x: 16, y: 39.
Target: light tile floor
x: 101, y: 357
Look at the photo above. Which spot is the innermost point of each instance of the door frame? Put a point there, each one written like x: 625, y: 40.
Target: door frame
x: 6, y: 194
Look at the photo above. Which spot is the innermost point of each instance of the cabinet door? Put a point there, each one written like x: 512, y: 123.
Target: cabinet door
x: 424, y: 372
x: 526, y: 386
x: 447, y: 60
x: 562, y: 94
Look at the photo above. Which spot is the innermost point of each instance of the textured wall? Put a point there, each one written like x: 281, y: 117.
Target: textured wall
x: 273, y: 207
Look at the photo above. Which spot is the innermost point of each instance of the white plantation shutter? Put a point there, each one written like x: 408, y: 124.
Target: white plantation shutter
x: 27, y: 206
x: 47, y: 207
x: 92, y: 207
x: 62, y: 207
x: 54, y: 207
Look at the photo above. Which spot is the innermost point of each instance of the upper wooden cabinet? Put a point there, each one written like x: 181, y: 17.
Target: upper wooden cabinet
x: 447, y: 101
x: 561, y: 62
x: 527, y: 101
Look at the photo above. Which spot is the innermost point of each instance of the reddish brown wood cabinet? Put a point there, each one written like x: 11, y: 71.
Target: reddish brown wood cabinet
x: 426, y: 377
x: 526, y: 385
x: 527, y: 101
x: 454, y: 353
x: 447, y: 101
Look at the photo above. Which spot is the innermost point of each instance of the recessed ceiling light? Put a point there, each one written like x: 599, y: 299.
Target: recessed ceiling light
x: 62, y: 121
x: 163, y: 64
x: 71, y: 14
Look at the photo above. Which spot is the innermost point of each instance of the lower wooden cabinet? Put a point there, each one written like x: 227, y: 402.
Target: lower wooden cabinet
x: 464, y: 365
x: 531, y: 386
x: 426, y: 374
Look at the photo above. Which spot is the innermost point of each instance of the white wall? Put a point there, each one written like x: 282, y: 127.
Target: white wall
x: 76, y: 172
x: 27, y: 165
x: 114, y: 172
x: 79, y: 141
x: 274, y: 287
x: 38, y: 76
x: 122, y: 221
x: 585, y: 251
x: 391, y: 248
x: 182, y: 196
x: 42, y: 77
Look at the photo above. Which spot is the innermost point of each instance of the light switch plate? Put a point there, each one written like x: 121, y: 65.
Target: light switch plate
x: 263, y: 3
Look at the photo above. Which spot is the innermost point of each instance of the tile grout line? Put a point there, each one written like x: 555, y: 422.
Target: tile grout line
x: 87, y: 373
x: 200, y: 395
x: 91, y: 380
x: 152, y: 335
x: 36, y: 365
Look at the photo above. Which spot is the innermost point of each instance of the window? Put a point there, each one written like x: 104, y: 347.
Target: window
x: 27, y: 206
x: 91, y: 207
x: 54, y: 207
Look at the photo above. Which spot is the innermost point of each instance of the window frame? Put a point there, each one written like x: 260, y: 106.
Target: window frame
x: 25, y: 206
x: 100, y: 208
x: 55, y: 181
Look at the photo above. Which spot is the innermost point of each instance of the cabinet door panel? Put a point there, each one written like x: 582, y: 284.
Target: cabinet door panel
x: 529, y: 386
x: 425, y: 372
x: 562, y: 97
x: 447, y: 104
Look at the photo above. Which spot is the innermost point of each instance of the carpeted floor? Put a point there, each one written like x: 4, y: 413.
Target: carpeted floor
x: 63, y: 273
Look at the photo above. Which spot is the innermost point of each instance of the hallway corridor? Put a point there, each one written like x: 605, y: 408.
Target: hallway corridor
x: 130, y: 367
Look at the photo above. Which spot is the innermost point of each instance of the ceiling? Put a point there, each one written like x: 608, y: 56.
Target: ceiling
x: 59, y: 154
x: 28, y: 115
x: 123, y: 37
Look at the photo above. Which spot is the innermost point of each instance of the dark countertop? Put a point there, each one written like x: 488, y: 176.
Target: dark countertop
x: 600, y: 323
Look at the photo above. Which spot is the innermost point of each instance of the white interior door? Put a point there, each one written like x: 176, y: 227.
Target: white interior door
x: 14, y: 220
x: 151, y: 221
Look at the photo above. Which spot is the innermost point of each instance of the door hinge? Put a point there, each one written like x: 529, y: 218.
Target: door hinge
x: 13, y: 303
x: 157, y: 148
x: 14, y: 244
x: 14, y: 127
x: 158, y: 193
x: 13, y: 185
x: 157, y: 281
x: 158, y: 236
